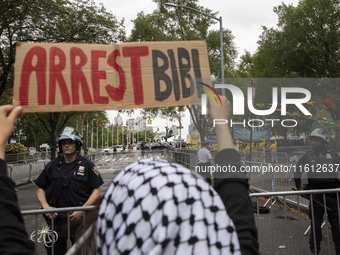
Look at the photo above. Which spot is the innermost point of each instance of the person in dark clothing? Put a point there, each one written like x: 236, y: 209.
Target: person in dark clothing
x: 313, y: 160
x: 67, y: 181
x: 13, y: 236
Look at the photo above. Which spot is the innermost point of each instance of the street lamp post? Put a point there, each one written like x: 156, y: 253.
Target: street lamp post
x: 221, y: 35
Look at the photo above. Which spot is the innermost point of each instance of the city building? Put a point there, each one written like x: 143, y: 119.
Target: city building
x: 117, y: 119
x: 174, y: 129
x: 192, y: 129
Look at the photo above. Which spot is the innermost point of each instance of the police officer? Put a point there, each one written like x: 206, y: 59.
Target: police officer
x: 320, y: 165
x: 67, y: 181
x: 205, y: 161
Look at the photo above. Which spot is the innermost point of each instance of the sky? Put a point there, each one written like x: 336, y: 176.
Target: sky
x: 244, y: 18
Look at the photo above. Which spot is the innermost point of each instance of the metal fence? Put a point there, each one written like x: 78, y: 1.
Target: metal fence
x: 42, y: 235
x: 23, y: 173
x: 287, y: 228
x: 275, y: 189
x: 282, y: 229
x: 13, y: 158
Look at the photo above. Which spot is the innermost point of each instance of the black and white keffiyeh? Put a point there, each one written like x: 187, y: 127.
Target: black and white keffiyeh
x: 156, y: 207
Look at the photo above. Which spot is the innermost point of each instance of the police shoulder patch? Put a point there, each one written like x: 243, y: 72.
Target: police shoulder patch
x: 95, y: 170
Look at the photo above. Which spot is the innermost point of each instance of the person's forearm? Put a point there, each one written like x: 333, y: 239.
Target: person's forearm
x: 96, y: 193
x: 224, y: 138
x: 42, y: 198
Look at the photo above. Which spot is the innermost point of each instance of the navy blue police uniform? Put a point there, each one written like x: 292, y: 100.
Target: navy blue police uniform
x: 68, y: 185
x: 322, y: 172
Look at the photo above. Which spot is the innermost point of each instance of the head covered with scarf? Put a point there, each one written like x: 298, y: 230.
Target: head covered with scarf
x: 157, y: 207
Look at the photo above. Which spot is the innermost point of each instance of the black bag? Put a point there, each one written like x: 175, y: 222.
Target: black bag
x: 262, y: 209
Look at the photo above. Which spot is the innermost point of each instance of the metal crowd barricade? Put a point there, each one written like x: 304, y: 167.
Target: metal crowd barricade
x: 34, y: 229
x: 290, y: 230
x: 85, y: 239
x: 259, y: 175
x: 258, y: 156
x: 277, y: 158
x: 20, y: 173
x: 280, y: 229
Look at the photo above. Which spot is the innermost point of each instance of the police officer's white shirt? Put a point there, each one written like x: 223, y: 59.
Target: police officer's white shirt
x: 204, y: 155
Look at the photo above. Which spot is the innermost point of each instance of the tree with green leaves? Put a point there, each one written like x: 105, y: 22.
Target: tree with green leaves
x: 168, y: 24
x: 74, y: 21
x: 305, y: 44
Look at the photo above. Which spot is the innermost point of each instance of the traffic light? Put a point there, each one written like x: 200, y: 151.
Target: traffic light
x: 149, y: 122
x: 157, y: 129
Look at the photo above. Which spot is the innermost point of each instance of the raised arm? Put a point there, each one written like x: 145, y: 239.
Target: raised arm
x: 233, y: 187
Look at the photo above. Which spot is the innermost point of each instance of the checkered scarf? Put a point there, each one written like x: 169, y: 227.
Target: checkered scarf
x: 157, y: 207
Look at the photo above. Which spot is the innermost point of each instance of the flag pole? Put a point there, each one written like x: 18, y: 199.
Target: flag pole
x: 107, y: 138
x: 102, y: 137
x: 87, y: 133
x: 97, y: 136
x: 91, y: 134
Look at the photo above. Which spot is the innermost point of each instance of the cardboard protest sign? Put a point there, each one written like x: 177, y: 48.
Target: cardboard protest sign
x: 55, y: 77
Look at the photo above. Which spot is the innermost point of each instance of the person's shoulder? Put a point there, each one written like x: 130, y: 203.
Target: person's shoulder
x: 305, y: 156
x: 53, y: 162
x: 334, y: 153
x: 308, y: 152
x: 85, y: 161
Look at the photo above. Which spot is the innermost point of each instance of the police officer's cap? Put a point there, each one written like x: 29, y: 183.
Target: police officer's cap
x: 322, y: 133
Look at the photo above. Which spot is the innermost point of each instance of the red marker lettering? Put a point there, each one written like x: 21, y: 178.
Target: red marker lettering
x: 135, y: 53
x: 57, y: 76
x: 96, y: 75
x: 77, y: 76
x: 116, y: 94
x: 40, y: 72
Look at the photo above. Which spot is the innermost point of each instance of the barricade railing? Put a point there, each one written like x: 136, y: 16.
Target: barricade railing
x: 266, y: 177
x: 277, y: 158
x: 292, y: 237
x: 39, y: 237
x: 14, y: 158
x: 274, y: 233
x: 290, y: 150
